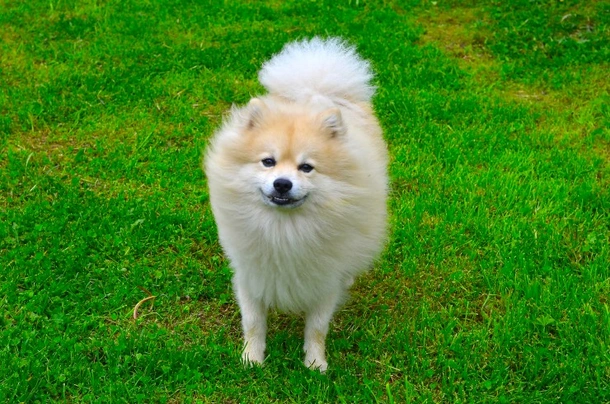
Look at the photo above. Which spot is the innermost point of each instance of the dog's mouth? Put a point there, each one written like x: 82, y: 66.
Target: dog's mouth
x: 283, y: 200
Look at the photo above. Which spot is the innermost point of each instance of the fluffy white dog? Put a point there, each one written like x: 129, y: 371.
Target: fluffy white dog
x: 298, y: 188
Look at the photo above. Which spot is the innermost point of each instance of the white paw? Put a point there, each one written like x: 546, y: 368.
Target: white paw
x: 316, y: 363
x: 251, y: 357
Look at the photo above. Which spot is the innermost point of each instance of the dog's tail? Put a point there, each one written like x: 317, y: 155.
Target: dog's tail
x: 328, y: 67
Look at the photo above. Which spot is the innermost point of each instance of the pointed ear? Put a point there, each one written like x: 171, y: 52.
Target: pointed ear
x: 332, y: 122
x: 255, y: 112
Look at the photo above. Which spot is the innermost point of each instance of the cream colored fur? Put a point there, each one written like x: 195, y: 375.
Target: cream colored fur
x: 303, y: 256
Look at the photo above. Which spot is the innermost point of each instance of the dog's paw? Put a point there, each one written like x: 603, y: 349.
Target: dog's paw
x: 314, y: 363
x: 252, y: 357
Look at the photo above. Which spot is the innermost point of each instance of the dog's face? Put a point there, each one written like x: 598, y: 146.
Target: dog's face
x: 287, y: 182
x: 293, y: 157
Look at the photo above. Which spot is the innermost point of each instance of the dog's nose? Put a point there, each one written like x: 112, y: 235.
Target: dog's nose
x: 282, y: 185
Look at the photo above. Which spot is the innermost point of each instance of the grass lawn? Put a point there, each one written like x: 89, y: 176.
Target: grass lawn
x: 495, y: 283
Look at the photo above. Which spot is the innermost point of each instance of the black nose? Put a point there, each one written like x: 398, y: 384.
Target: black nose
x: 282, y: 185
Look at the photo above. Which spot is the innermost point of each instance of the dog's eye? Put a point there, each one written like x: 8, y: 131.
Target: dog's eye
x: 306, y: 168
x: 268, y: 162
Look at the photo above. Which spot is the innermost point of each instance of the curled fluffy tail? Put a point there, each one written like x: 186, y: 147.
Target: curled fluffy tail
x: 327, y: 67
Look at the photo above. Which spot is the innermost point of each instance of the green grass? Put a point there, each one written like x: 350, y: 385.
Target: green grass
x: 494, y: 287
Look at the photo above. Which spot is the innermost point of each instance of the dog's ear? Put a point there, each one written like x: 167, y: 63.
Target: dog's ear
x: 332, y: 122
x: 255, y: 113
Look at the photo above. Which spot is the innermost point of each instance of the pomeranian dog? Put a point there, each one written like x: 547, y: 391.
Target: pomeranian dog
x: 298, y: 186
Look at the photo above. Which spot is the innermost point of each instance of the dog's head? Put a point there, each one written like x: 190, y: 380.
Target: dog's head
x: 292, y: 154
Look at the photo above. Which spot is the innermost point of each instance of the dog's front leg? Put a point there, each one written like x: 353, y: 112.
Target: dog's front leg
x: 254, y: 323
x: 317, y: 321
